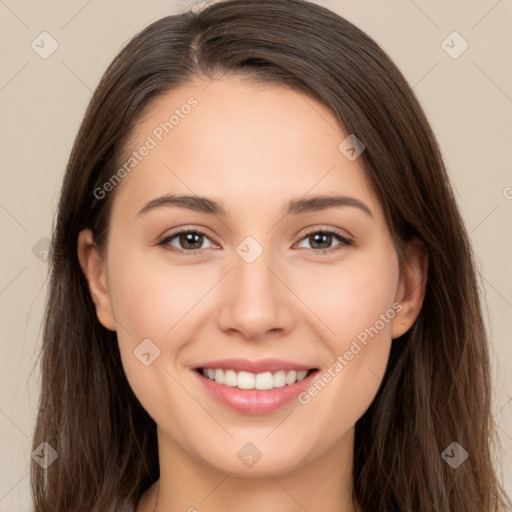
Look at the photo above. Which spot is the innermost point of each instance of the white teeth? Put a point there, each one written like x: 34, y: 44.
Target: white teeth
x: 280, y: 379
x: 245, y: 380
x: 291, y: 377
x: 219, y: 376
x: 264, y: 381
x: 248, y: 380
x: 301, y: 375
x: 230, y: 378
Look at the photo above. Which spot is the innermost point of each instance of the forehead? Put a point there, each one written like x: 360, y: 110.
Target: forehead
x: 244, y: 143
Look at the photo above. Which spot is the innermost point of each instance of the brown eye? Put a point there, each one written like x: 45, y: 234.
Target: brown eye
x: 185, y: 241
x: 323, y: 239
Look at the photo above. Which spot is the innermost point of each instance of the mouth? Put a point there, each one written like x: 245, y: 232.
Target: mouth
x: 260, y: 381
x: 251, y: 392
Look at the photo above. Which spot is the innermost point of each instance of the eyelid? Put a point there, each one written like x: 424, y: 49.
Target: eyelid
x: 345, y: 235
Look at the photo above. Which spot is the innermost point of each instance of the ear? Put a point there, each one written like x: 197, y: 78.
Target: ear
x: 411, y: 287
x: 93, y: 267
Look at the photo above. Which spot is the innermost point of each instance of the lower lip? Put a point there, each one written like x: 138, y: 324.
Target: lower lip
x: 255, y: 401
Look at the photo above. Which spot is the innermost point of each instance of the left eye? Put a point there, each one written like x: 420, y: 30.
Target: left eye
x: 192, y: 240
x: 188, y: 240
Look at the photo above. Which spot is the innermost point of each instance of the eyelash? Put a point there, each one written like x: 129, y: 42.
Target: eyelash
x: 344, y: 241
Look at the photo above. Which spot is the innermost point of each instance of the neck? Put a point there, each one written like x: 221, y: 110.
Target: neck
x: 187, y: 484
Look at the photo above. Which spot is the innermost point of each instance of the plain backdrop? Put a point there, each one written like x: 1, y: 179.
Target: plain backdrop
x: 467, y: 98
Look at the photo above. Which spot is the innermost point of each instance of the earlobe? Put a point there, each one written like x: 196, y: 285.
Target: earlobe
x: 412, y: 287
x: 93, y: 267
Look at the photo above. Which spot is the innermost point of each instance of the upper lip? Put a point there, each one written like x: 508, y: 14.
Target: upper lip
x: 260, y: 366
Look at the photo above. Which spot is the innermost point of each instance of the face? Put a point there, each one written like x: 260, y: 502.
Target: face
x: 278, y: 263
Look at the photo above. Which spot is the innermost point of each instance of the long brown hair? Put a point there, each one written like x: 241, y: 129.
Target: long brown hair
x: 437, y: 387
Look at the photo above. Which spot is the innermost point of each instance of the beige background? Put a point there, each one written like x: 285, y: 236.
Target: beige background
x: 468, y: 101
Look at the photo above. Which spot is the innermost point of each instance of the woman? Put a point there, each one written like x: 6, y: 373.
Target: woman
x: 262, y: 293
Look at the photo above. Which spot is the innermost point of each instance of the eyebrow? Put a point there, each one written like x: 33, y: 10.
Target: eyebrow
x: 293, y: 207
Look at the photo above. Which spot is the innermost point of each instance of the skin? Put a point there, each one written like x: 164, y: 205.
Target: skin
x: 253, y: 147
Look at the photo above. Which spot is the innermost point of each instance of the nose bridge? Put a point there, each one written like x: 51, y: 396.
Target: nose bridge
x: 255, y: 281
x: 252, y: 268
x: 256, y: 301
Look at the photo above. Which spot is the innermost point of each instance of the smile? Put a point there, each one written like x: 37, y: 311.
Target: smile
x: 254, y: 388
x: 248, y: 380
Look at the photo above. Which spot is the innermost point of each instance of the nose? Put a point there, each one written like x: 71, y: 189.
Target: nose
x: 255, y: 302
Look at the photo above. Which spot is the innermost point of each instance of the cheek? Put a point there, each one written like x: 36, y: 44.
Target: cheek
x: 149, y: 298
x: 364, y: 322
x: 357, y: 306
x: 151, y: 303
x: 349, y: 298
x: 156, y: 301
